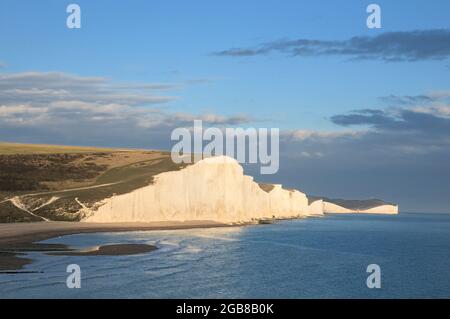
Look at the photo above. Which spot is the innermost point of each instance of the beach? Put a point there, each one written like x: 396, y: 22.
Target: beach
x: 17, y: 238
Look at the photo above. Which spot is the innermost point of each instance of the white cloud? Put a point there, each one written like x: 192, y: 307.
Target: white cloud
x: 438, y: 110
x: 75, y: 108
x: 301, y: 135
x: 45, y: 87
x: 211, y: 118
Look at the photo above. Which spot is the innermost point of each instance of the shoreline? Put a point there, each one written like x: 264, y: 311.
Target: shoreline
x: 17, y: 239
x: 26, y: 233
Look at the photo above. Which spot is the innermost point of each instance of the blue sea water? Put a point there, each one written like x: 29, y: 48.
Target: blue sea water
x: 308, y: 258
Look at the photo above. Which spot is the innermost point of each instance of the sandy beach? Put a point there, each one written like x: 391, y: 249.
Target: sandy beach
x: 21, y: 233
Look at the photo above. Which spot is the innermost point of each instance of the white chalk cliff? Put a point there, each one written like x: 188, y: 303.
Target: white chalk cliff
x: 213, y: 189
x: 382, y: 209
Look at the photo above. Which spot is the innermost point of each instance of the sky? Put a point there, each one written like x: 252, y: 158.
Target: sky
x: 363, y: 112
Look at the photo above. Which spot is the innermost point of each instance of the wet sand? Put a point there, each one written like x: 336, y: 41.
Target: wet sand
x: 10, y: 261
x: 18, y: 238
x: 109, y: 250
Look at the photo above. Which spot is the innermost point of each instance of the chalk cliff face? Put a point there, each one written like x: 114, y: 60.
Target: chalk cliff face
x: 316, y: 207
x: 382, y: 209
x: 212, y: 189
x: 333, y: 208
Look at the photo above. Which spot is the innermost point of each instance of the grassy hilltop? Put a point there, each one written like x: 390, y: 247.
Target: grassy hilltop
x: 52, y: 182
x: 16, y: 148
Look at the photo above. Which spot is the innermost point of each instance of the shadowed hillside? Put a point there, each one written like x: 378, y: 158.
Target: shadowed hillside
x: 44, y: 182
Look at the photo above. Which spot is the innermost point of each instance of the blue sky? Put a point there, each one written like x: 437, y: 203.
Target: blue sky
x: 311, y: 97
x: 171, y: 41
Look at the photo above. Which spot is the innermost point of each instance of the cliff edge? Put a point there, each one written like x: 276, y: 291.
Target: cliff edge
x: 216, y: 189
x: 212, y: 189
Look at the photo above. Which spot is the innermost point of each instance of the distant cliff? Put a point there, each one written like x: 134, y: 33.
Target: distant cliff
x: 368, y: 206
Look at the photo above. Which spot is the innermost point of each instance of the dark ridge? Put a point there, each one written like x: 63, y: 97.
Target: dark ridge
x: 266, y: 187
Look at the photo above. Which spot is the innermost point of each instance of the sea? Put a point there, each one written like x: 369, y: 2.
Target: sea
x: 323, y: 257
